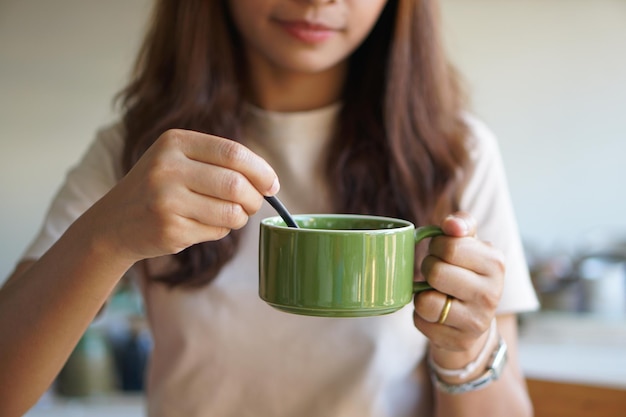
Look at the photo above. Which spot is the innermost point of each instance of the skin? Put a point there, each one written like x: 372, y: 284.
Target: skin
x: 287, y: 73
x: 191, y: 187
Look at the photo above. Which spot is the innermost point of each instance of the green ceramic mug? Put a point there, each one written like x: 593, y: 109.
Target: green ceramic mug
x: 339, y: 265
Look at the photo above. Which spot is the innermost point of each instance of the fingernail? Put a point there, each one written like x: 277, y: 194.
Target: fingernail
x: 274, y: 188
x: 465, y: 228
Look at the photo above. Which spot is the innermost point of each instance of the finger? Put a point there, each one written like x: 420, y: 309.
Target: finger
x: 446, y: 337
x: 459, y: 224
x: 430, y: 306
x: 211, y: 211
x: 461, y: 316
x: 191, y: 232
x: 438, y: 335
x: 223, y: 184
x: 173, y: 206
x: 451, y: 279
x: 174, y: 233
x: 227, y: 153
x: 469, y: 253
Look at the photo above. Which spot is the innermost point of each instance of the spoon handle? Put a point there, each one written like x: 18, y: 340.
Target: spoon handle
x: 282, y: 211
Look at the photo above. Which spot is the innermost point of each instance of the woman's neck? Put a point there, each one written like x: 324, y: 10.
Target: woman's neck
x: 288, y: 91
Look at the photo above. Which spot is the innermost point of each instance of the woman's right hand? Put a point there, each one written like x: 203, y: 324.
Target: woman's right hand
x: 187, y: 188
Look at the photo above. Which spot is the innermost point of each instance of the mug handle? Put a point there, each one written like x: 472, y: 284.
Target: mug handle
x: 422, y: 233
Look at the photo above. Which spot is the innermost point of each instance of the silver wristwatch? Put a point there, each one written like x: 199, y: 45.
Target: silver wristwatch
x: 494, y: 369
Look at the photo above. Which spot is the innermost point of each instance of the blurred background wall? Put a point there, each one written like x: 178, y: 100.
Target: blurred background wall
x: 548, y: 76
x: 61, y: 63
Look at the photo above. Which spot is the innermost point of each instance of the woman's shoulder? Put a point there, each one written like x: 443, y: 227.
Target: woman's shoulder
x: 86, y: 182
x: 104, y: 153
x: 485, y: 167
x: 481, y: 140
x: 111, y: 136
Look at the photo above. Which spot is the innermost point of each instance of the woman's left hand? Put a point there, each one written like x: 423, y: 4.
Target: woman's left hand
x: 461, y: 266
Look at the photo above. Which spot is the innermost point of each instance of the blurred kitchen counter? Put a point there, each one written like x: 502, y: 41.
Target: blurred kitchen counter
x: 561, y: 347
x: 574, y: 348
x: 118, y: 405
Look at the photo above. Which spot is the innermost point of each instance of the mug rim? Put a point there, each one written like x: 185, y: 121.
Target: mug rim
x: 276, y: 222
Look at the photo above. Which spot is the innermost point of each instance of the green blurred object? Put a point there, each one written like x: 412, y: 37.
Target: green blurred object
x: 89, y: 370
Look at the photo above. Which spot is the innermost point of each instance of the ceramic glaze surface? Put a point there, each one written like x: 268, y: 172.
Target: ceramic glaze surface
x: 337, y: 265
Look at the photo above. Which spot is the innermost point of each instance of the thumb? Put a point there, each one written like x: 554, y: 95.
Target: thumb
x: 459, y: 224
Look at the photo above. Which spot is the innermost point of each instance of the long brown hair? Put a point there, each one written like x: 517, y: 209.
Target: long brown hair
x: 399, y: 143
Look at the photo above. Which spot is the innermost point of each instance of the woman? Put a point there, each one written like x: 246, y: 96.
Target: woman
x: 353, y: 106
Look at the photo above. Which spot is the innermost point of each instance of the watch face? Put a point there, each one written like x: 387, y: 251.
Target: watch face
x: 499, y: 358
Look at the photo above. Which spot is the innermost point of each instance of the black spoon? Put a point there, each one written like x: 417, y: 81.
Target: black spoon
x: 280, y: 208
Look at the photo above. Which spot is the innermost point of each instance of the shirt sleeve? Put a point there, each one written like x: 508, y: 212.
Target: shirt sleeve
x: 485, y: 195
x: 95, y: 174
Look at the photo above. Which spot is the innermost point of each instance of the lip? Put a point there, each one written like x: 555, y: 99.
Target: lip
x: 307, y: 32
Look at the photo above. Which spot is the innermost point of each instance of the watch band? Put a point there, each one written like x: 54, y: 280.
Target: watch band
x: 494, y: 369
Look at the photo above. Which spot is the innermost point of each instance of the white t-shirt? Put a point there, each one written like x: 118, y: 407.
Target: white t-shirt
x: 221, y: 351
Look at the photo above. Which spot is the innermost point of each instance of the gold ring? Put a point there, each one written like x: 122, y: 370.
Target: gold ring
x: 446, y: 309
